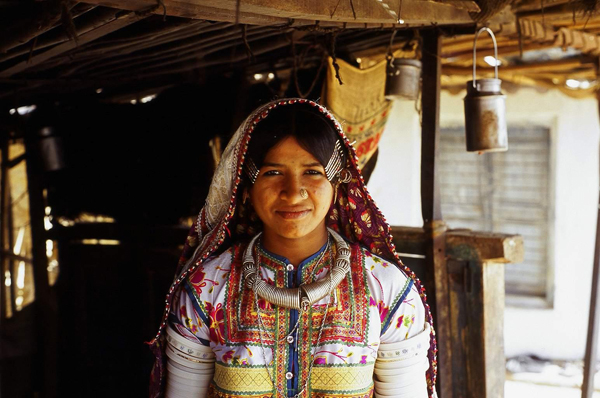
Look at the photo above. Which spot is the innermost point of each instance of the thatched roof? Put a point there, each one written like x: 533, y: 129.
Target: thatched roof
x: 62, y: 47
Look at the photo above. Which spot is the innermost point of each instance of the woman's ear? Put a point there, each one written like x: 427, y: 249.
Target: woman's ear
x: 335, y: 191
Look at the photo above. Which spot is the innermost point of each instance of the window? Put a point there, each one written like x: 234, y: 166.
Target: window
x: 505, y: 192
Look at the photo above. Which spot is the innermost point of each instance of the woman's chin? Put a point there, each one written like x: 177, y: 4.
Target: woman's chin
x: 296, y: 232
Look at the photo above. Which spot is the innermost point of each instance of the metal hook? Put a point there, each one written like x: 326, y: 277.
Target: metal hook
x: 390, y: 54
x: 475, y: 53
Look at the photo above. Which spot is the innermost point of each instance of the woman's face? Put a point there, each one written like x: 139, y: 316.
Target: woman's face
x: 288, y: 168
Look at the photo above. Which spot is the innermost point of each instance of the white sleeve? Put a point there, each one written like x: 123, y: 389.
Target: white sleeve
x: 190, y: 366
x: 400, y: 367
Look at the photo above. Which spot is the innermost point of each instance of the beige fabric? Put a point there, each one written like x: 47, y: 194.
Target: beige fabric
x: 359, y: 104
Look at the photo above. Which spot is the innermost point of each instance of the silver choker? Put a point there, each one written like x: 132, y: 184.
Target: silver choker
x: 299, y: 298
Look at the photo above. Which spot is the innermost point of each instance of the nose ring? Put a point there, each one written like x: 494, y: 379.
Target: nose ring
x: 303, y: 193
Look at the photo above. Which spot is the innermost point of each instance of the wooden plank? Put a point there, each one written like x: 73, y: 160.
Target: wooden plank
x: 551, y: 66
x: 430, y: 192
x: 155, y: 236
x: 502, y: 248
x: 40, y: 18
x: 4, y: 246
x: 45, y: 304
x: 492, y: 328
x: 502, y: 51
x: 273, y: 12
x: 409, y: 240
x: 477, y: 307
x: 119, y: 22
x: 535, y: 5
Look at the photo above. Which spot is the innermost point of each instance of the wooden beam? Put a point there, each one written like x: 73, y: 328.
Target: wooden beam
x: 45, y: 304
x: 477, y: 312
x: 306, y: 12
x: 503, y: 51
x: 160, y: 236
x: 466, y: 44
x: 476, y: 304
x: 536, y: 5
x: 484, y: 246
x: 41, y: 18
x: 558, y: 12
x: 119, y: 22
x: 4, y: 244
x: 409, y: 239
x: 476, y: 284
x: 552, y: 66
x: 432, y: 71
x: 436, y: 275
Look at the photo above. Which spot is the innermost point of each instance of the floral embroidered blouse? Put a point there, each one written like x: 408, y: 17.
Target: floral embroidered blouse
x: 375, y: 304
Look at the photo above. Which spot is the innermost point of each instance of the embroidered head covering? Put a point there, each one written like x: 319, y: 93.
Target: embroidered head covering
x: 353, y: 214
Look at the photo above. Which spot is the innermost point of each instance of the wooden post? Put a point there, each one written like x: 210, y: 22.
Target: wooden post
x: 436, y: 278
x: 4, y: 210
x: 587, y: 389
x: 476, y: 303
x: 45, y: 297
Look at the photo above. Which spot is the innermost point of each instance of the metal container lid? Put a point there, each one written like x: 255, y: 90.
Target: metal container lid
x: 407, y: 62
x: 484, y: 86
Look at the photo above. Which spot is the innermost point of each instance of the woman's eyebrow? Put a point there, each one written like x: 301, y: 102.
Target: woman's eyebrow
x: 271, y: 164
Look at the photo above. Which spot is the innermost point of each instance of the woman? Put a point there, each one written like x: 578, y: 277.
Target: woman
x: 289, y: 285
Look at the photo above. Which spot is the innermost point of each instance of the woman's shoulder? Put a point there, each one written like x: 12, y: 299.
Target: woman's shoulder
x: 209, y: 279
x: 377, y: 264
x: 219, y: 263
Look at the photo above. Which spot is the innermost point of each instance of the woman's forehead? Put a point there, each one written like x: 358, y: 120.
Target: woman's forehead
x: 289, y: 151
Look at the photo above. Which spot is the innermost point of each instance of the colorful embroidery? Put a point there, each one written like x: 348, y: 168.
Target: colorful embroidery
x: 363, y: 306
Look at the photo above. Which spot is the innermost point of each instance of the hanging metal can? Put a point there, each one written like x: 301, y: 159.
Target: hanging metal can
x: 51, y: 149
x: 485, y: 109
x: 403, y: 78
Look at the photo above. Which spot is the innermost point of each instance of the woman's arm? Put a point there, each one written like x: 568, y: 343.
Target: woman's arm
x: 190, y: 366
x: 190, y: 359
x: 402, y: 362
x: 400, y: 367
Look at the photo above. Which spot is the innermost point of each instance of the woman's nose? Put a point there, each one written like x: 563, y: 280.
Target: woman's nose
x: 290, y: 190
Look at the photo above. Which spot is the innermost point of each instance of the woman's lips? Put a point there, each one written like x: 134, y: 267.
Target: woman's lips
x: 292, y: 214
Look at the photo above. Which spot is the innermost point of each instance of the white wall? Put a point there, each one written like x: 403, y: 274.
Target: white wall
x: 559, y: 332
x: 395, y: 182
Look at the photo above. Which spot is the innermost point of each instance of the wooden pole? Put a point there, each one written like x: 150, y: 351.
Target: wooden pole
x: 589, y: 369
x: 436, y: 278
x: 45, y: 298
x: 4, y: 209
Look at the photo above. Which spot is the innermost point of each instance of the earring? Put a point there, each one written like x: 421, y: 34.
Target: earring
x: 245, y: 196
x: 303, y: 193
x: 345, y: 176
x: 335, y: 192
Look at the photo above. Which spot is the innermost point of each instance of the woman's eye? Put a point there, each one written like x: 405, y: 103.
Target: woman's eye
x: 271, y: 173
x: 314, y: 172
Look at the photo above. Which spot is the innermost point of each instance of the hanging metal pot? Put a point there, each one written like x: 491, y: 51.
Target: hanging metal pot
x: 51, y: 149
x: 403, y: 79
x: 485, y: 109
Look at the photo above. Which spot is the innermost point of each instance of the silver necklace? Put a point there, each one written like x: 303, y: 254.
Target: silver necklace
x: 301, y: 297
